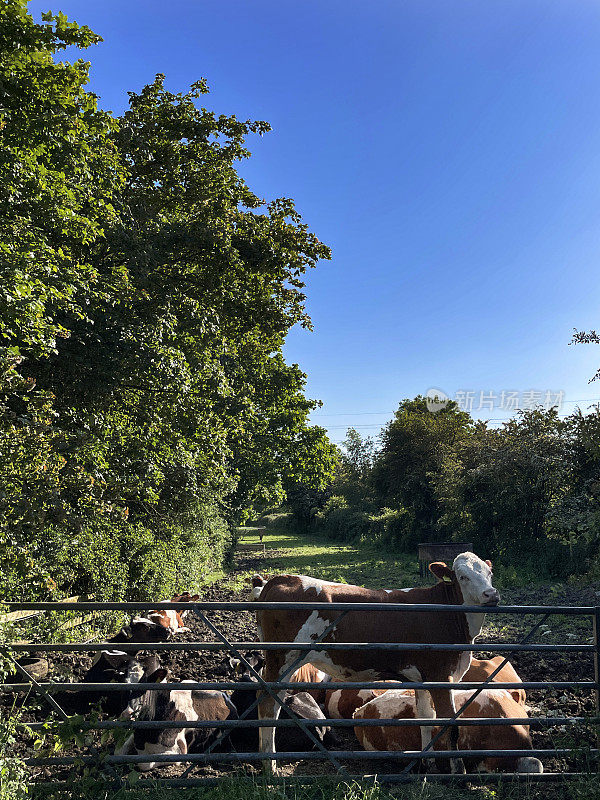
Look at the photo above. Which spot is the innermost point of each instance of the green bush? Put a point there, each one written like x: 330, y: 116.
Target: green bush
x: 280, y: 519
x: 118, y: 561
x: 394, y: 528
x: 338, y: 521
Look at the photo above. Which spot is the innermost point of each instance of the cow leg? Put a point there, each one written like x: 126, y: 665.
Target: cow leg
x: 443, y: 701
x: 425, y: 710
x: 127, y: 748
x: 269, y: 709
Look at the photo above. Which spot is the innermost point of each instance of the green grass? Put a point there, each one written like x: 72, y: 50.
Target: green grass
x: 322, y: 558
x: 320, y: 789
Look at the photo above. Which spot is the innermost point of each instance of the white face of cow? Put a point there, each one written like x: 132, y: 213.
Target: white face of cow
x: 475, y: 580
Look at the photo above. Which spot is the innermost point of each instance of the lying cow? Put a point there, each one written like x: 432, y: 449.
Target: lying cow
x: 468, y: 582
x: 187, y: 705
x: 490, y: 703
x: 481, y: 669
x: 307, y: 673
x: 142, y: 630
x: 342, y: 703
x: 173, y: 620
x: 110, y: 666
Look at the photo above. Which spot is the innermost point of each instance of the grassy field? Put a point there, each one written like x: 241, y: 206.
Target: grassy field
x: 311, y: 555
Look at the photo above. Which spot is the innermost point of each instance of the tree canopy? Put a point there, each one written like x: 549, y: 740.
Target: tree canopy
x: 147, y: 293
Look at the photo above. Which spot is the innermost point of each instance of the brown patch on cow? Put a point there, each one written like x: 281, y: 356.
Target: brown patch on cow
x: 492, y: 704
x: 481, y: 669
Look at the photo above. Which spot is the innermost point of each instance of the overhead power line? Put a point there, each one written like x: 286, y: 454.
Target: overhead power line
x: 384, y: 413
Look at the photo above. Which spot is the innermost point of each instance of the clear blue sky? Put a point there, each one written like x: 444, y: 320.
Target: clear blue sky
x: 447, y: 150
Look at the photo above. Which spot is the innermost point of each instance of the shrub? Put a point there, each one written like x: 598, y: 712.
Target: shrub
x: 281, y: 519
x: 340, y: 522
x: 395, y: 528
x: 123, y: 560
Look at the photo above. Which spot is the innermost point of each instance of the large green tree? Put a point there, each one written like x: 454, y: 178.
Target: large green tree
x: 413, y: 448
x: 148, y: 293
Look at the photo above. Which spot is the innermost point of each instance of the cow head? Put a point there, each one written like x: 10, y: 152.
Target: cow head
x: 114, y: 666
x: 155, y: 706
x: 152, y: 673
x: 185, y: 597
x: 145, y: 630
x: 472, y: 575
x: 109, y: 666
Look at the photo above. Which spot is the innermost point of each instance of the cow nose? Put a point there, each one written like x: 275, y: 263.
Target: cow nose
x: 491, y: 597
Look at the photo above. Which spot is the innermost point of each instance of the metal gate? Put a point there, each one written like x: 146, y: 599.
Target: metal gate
x: 106, y: 763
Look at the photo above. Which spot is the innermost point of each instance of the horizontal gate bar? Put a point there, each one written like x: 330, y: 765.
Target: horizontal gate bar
x: 310, y: 755
x: 317, y: 723
x: 255, y: 605
x: 391, y: 778
x: 302, y: 646
x: 299, y: 686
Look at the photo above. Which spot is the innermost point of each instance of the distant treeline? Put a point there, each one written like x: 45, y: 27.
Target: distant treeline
x: 145, y: 296
x: 526, y: 493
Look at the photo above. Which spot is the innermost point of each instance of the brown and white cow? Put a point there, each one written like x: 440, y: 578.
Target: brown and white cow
x: 308, y: 673
x: 490, y: 703
x: 481, y: 669
x: 342, y: 703
x: 468, y: 582
x: 185, y: 705
x: 173, y: 620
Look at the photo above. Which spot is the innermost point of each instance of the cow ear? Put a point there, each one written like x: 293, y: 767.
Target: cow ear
x: 158, y: 676
x: 516, y: 695
x: 441, y: 571
x: 116, y: 659
x: 256, y: 659
x: 488, y: 562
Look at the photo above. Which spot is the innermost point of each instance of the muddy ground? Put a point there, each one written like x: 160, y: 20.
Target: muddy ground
x: 240, y: 626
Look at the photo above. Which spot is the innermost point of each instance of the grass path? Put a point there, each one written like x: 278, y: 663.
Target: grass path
x: 322, y: 558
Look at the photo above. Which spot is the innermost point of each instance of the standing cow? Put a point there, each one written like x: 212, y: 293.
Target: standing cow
x: 468, y: 582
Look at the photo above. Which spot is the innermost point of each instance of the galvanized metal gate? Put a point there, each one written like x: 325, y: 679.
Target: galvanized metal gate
x: 106, y: 763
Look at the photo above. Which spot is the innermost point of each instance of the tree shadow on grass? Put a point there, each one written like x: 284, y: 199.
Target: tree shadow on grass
x: 321, y: 558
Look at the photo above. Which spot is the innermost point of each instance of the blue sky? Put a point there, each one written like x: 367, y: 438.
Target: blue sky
x: 447, y: 151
